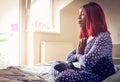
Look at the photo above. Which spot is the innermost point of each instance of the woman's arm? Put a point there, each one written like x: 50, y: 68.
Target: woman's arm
x: 71, y: 56
x: 102, y: 47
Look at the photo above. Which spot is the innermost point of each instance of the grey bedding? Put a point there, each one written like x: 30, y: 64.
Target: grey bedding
x: 115, y: 77
x: 42, y: 71
x: 39, y: 73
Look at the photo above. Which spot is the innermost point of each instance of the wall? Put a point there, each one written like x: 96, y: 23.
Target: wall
x: 112, y: 12
x: 69, y: 28
x: 66, y: 32
x: 23, y: 33
x: 116, y: 53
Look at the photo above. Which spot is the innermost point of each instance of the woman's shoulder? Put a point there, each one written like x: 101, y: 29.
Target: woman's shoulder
x: 103, y: 35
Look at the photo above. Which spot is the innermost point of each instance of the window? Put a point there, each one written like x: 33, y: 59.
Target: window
x: 40, y: 18
x: 9, y: 33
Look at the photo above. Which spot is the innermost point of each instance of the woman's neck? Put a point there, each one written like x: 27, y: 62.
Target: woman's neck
x: 89, y: 38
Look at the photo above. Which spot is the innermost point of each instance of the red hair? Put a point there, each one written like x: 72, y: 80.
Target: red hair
x: 95, y: 20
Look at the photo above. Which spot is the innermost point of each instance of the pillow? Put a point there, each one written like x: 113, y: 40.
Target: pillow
x: 117, y: 67
x: 113, y: 78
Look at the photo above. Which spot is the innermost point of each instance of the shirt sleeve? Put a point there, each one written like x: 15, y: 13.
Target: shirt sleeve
x: 71, y: 56
x: 101, y: 47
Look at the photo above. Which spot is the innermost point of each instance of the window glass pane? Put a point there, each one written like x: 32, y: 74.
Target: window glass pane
x: 40, y: 16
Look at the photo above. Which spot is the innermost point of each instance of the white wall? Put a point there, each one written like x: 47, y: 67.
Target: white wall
x: 70, y: 28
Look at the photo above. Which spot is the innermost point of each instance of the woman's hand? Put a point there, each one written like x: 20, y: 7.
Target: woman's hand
x: 81, y: 46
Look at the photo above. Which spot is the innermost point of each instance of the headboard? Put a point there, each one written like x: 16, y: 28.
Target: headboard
x: 116, y: 53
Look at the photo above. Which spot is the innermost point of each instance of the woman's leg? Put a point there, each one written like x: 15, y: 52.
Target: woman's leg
x: 71, y: 75
x: 54, y: 72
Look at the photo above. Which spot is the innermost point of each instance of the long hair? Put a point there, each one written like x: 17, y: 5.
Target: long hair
x: 95, y: 20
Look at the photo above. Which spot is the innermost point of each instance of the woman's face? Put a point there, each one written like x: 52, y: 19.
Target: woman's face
x: 81, y: 18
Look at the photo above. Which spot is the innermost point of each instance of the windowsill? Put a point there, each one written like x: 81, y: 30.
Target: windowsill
x: 33, y: 31
x: 54, y: 33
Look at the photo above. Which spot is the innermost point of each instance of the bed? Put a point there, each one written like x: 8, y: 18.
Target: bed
x: 39, y: 73
x: 35, y: 73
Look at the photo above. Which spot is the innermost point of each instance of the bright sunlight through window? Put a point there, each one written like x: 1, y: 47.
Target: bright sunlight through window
x: 41, y: 16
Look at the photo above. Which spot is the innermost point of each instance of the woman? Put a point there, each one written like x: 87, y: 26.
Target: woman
x: 94, y: 51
